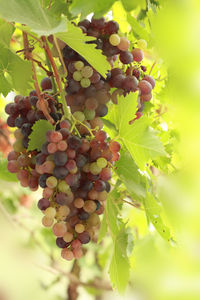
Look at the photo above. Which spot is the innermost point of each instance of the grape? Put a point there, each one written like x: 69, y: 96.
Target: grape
x: 143, y: 68
x: 26, y: 129
x: 68, y: 237
x: 114, y: 39
x: 95, y: 77
x: 46, y: 84
x: 60, y: 172
x: 61, y: 198
x: 89, y: 206
x: 85, y: 23
x: 50, y: 212
x: 83, y: 215
x: 13, y: 166
x: 91, y: 103
x: 40, y: 158
x: 62, y: 212
x: 79, y: 65
x: 60, y: 158
x: 87, y: 72
x: 145, y: 87
x: 79, y: 228
x: 59, y: 229
x: 81, y: 160
x: 33, y: 100
x: 47, y: 222
x: 77, y: 76
x: 111, y: 27
x: 84, y: 237
x: 61, y: 243
x: 114, y: 146
x: 116, y: 156
x: 89, y: 114
x: 95, y: 169
x: 78, y: 202
x: 65, y: 124
x: 47, y: 193
x: 106, y: 174
x: 73, y: 87
x: 138, y: 55
x: 67, y: 254
x: 146, y: 97
x: 98, y: 23
x: 117, y: 80
x: 96, y: 123
x: 101, y: 136
x: 130, y: 84
x: 102, y: 196
x: 79, y: 116
x: 85, y: 82
x: 62, y: 146
x: 99, y: 185
x: 63, y: 186
x: 43, y: 204
x: 150, y: 79
x: 93, y: 194
x: 136, y: 73
x: 101, y: 162
x: 102, y: 110
x: 126, y: 57
x: 124, y: 44
x: 78, y: 253
x: 93, y: 220
x: 115, y: 94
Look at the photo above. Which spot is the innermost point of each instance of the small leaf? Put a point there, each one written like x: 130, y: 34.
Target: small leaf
x: 31, y: 13
x: 75, y: 39
x: 38, y: 135
x: 103, y: 229
x: 153, y: 211
x: 130, y: 5
x: 119, y: 269
x: 4, y: 173
x: 129, y: 174
x: 98, y: 7
x: 111, y: 212
x: 6, y: 32
x: 139, y: 31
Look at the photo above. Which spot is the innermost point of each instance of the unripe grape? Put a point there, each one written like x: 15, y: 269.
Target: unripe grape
x: 79, y: 115
x: 89, y: 114
x: 63, y: 212
x: 63, y: 186
x: 114, y: 39
x: 93, y: 220
x: 142, y: 44
x: 50, y: 212
x: 95, y: 169
x: 87, y: 72
x: 77, y: 76
x: 79, y: 65
x: 85, y: 82
x: 51, y: 182
x: 101, y: 162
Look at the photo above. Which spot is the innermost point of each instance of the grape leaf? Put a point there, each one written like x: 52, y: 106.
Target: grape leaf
x: 98, y: 7
x: 139, y: 138
x: 103, y: 229
x: 128, y: 173
x: 111, y: 213
x: 6, y: 31
x: 119, y: 269
x: 130, y: 5
x: 19, y: 70
x: 139, y: 31
x: 38, y: 135
x: 77, y: 41
x: 153, y: 211
x: 31, y: 13
x: 4, y: 173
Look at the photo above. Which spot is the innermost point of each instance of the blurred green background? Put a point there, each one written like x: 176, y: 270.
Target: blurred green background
x: 30, y: 263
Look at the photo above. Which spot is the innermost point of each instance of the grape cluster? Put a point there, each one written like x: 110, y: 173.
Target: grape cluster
x: 74, y: 174
x: 23, y: 113
x: 87, y: 91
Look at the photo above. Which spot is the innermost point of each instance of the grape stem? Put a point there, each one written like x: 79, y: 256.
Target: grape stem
x: 77, y: 121
x: 58, y: 81
x: 41, y: 103
x: 152, y: 67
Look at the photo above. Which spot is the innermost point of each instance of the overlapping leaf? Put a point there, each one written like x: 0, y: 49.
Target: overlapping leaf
x: 38, y: 135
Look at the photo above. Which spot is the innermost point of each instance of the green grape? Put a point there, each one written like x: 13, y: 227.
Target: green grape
x: 51, y: 182
x: 95, y: 169
x: 85, y: 82
x: 63, y: 186
x: 142, y: 44
x: 79, y: 115
x: 18, y: 146
x: 50, y: 212
x: 101, y: 162
x: 79, y: 65
x: 77, y: 76
x: 87, y: 72
x: 89, y: 114
x: 114, y: 39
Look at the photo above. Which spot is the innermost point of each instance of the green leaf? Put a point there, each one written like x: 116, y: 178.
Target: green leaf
x: 19, y: 70
x: 153, y: 211
x: 142, y: 142
x: 98, y: 7
x: 129, y: 174
x: 6, y: 32
x: 4, y: 173
x: 9, y: 205
x: 111, y: 212
x: 130, y: 5
x: 75, y: 39
x: 38, y: 135
x: 103, y: 229
x: 119, y: 269
x: 139, y: 31
x: 31, y: 13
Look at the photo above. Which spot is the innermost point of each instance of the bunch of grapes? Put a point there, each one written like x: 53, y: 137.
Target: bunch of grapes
x: 74, y: 174
x: 75, y: 163
x: 87, y: 91
x: 23, y: 114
